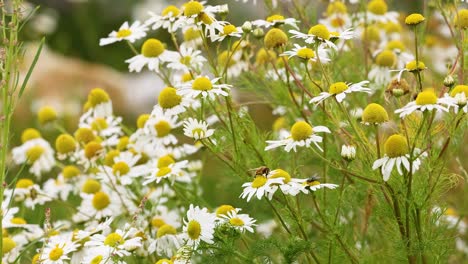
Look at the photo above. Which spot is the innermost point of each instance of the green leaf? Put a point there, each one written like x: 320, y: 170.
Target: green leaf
x: 31, y: 68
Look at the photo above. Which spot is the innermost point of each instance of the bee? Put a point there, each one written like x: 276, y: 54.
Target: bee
x: 261, y: 171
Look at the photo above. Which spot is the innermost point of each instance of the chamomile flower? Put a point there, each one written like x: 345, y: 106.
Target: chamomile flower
x: 37, y: 153
x: 339, y: 90
x: 153, y: 53
x: 57, y: 252
x: 426, y: 100
x: 320, y: 33
x: 227, y: 31
x: 241, y: 222
x: 105, y: 127
x: 170, y: 19
x: 377, y: 11
x: 275, y: 21
x: 101, y: 203
x: 99, y: 103
x: 197, y: 129
x: 159, y: 171
x: 157, y: 130
x: 411, y: 67
x: 288, y: 186
x: 131, y: 33
x: 119, y: 243
x: 301, y: 135
x: 171, y: 103
x: 384, y: 61
x: 58, y: 188
x: 259, y: 187
x: 123, y: 169
x: 310, y: 185
x: 204, y: 87
x: 459, y: 95
x: 307, y: 54
x: 199, y: 226
x: 29, y: 193
x: 188, y: 59
x: 167, y: 241
x: 397, y: 154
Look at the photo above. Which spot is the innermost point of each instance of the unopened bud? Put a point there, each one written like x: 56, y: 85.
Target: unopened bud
x: 348, y: 152
x: 247, y: 27
x: 449, y: 81
x: 258, y: 33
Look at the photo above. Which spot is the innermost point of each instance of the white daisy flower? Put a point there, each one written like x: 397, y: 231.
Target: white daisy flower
x: 153, y: 53
x: 309, y: 185
x: 197, y: 129
x: 426, y: 100
x: 100, y: 104
x: 321, y: 34
x: 57, y: 252
x: 199, y: 226
x: 397, y: 154
x: 384, y: 61
x: 29, y: 193
x: 119, y: 243
x: 157, y: 172
x: 336, y: 21
x: 101, y: 204
x: 188, y: 58
x: 204, y: 87
x: 275, y: 21
x: 377, y: 11
x: 307, y: 53
x: 302, y: 135
x: 105, y: 127
x: 36, y: 152
x: 241, y: 222
x: 411, y: 67
x: 170, y: 19
x: 339, y: 90
x: 123, y: 170
x: 227, y: 31
x: 167, y: 241
x: 459, y: 95
x: 260, y: 186
x: 58, y: 188
x: 131, y: 33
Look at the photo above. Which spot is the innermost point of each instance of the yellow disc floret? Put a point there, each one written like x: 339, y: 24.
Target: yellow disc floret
x: 194, y: 229
x: 414, y: 19
x: 306, y: 53
x: 229, y: 29
x: 413, y: 66
x: 264, y: 56
x: 164, y: 261
x: 166, y: 230
x: 320, y: 31
x: 236, y: 221
x: 65, y: 144
x: 70, y: 171
x: 152, y: 48
x: 8, y: 245
x: 385, y: 58
x: 100, y: 200
x: 378, y: 7
x: 91, y: 186
x: 30, y: 133
x: 120, y: 168
x: 46, y: 115
x: 169, y: 98
x: 192, y: 8
x: 259, y: 181
x: 279, y: 173
x: 171, y: 10
x: 301, y: 130
x: 275, y: 38
x: 163, y: 128
x: 202, y: 84
x: 336, y: 7
x: 123, y: 143
x: 92, y: 149
x: 142, y: 120
x: 124, y: 33
x: 396, y: 146
x: 34, y: 153
x: 157, y: 222
x: 337, y: 88
x: 426, y: 97
x: 84, y: 135
x: 113, y: 240
x: 275, y: 17
x: 109, y: 158
x: 459, y: 89
x: 461, y: 19
x: 24, y: 183
x: 224, y: 209
x: 165, y: 161
x: 374, y: 114
x: 98, y: 96
x: 56, y: 253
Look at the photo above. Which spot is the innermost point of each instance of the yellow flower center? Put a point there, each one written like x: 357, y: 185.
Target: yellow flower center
x: 34, y: 153
x: 337, y: 88
x: 263, y: 56
x: 336, y: 8
x: 24, y: 183
x: 163, y: 171
x: 70, y: 171
x: 279, y: 123
x: 157, y: 222
x: 98, y: 96
x: 374, y: 114
x: 92, y: 149
x: 279, y: 173
x: 96, y: 260
x: 164, y: 261
x: 92, y: 186
x: 169, y: 98
x: 229, y: 29
x: 320, y: 31
x: 192, y: 8
x: 65, y: 144
x: 224, y: 209
x: 109, y: 158
x: 236, y: 221
x: 123, y: 143
x: 459, y: 89
x: 194, y: 229
x: 378, y: 7
x: 461, y: 19
x: 306, y: 53
x: 100, y: 200
x: 18, y: 221
x: 391, y: 27
x: 396, y: 146
x: 202, y: 84
x: 275, y: 38
x: 337, y: 22
x: 259, y: 181
x: 275, y: 18
x: 30, y: 133
x: 372, y: 33
x: 165, y: 161
x: 171, y: 10
x: 386, y: 58
x: 99, y: 124
x: 55, y: 254
x: 113, y: 240
x: 414, y: 19
x: 124, y: 33
x: 450, y: 211
x: 166, y: 230
x: 301, y: 130
x: 186, y: 77
x: 84, y: 135
x: 395, y: 45
x: 312, y: 183
x: 8, y: 244
x: 141, y: 121
x: 412, y: 66
x: 205, y: 18
x: 46, y: 114
x: 191, y: 34
x: 152, y: 48
x: 163, y: 128
x: 185, y: 60
x: 223, y: 59
x: 198, y: 132
x: 426, y: 97
x: 120, y: 168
